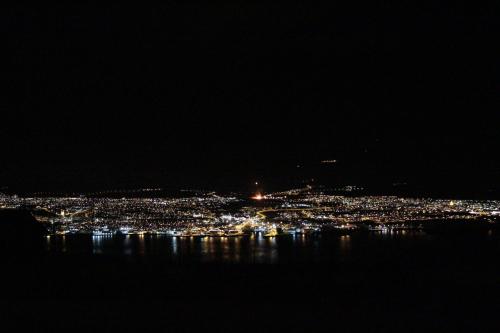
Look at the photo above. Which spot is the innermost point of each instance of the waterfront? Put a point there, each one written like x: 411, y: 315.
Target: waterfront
x: 319, y: 248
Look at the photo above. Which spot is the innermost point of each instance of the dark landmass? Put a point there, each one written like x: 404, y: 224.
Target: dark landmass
x: 19, y: 223
x: 329, y: 181
x: 21, y: 234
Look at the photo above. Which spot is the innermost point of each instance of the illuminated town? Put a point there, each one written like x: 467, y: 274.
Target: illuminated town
x: 208, y: 214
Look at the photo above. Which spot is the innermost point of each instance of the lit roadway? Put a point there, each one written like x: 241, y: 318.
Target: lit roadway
x: 262, y: 213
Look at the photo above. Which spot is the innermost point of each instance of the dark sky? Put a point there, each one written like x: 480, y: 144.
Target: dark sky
x: 176, y: 93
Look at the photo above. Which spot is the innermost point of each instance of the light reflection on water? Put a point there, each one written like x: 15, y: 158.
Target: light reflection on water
x: 97, y: 244
x: 253, y: 248
x: 63, y: 243
x: 142, y: 246
x: 101, y: 243
x: 127, y: 245
x: 345, y: 244
x: 174, y: 246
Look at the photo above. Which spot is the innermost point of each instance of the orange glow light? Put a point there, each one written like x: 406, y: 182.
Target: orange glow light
x: 258, y: 196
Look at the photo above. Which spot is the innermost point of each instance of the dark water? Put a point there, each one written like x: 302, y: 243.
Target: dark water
x: 402, y: 282
x: 256, y: 249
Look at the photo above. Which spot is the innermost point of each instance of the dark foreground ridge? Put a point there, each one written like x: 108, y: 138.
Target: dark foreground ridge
x: 20, y: 223
x: 20, y: 234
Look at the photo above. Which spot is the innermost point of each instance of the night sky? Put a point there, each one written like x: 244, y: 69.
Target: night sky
x: 179, y: 94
